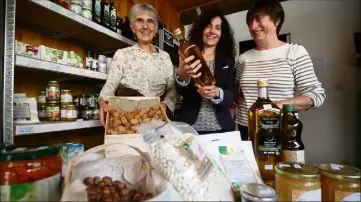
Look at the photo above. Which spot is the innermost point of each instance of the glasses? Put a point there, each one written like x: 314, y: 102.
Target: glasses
x: 140, y: 22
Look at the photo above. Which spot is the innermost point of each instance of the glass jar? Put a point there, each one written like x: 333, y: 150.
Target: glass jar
x: 42, y: 98
x: 42, y: 112
x: 30, y: 173
x: 340, y: 182
x: 53, y: 91
x: 71, y: 113
x: 87, y: 113
x: 53, y: 111
x: 66, y: 97
x: 257, y: 192
x: 297, y: 182
x: 92, y: 101
x: 63, y: 110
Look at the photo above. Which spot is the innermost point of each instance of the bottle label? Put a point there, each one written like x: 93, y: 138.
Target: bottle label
x: 268, y: 133
x: 301, y: 195
x: 293, y: 156
x: 97, y: 10
x: 113, y: 19
x: 89, y: 62
x: 106, y: 15
x: 347, y: 196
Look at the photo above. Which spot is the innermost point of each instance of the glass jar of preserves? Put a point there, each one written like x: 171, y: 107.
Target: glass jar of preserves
x: 42, y: 112
x: 42, y: 98
x: 30, y: 173
x: 340, y: 182
x: 53, y: 111
x: 63, y: 110
x: 53, y: 91
x: 297, y: 182
x: 71, y: 113
x: 253, y: 192
x: 66, y: 97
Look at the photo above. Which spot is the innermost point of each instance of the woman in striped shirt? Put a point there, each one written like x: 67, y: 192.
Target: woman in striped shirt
x: 287, y: 66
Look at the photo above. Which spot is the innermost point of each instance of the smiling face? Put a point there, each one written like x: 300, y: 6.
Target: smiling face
x: 262, y: 28
x: 212, y: 32
x: 144, y: 27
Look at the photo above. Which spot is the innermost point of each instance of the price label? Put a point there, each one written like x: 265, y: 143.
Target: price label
x: 26, y: 130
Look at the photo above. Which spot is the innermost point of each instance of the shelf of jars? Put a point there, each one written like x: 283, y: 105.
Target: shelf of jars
x: 66, y: 23
x: 46, y: 127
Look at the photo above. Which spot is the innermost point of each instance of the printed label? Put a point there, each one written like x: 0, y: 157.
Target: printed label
x: 268, y: 106
x: 66, y: 98
x: 53, y: 92
x: 347, y: 196
x: 71, y: 114
x: 269, y: 129
x: 52, y: 111
x: 268, y: 167
x: 194, y: 153
x: 22, y: 111
x: 106, y: 15
x: 113, y: 19
x: 89, y: 62
x: 43, y: 190
x: 293, y: 156
x: 301, y: 195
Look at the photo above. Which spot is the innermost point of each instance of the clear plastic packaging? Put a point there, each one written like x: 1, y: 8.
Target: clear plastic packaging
x: 179, y: 157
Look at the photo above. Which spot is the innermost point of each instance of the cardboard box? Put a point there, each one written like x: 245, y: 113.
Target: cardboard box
x: 53, y: 55
x: 136, y: 140
x: 27, y: 50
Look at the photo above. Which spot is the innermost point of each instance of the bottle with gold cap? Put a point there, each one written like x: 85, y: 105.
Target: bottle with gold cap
x: 188, y: 49
x: 264, y: 132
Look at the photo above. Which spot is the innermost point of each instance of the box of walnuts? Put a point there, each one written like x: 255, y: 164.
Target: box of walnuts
x: 124, y: 115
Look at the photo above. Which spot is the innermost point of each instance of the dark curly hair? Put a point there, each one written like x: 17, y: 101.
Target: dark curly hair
x: 225, y: 45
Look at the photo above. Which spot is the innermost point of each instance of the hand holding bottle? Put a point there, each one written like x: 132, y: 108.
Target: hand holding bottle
x: 209, y: 92
x: 188, y: 67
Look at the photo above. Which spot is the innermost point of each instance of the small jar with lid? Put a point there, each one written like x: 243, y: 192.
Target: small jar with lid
x: 42, y: 112
x: 71, y: 113
x: 53, y: 111
x: 53, y: 92
x: 340, y: 182
x: 297, y: 182
x: 66, y: 97
x: 42, y: 98
x: 253, y: 192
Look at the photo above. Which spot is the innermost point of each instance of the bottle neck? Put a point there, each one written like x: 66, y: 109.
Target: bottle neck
x: 179, y: 38
x: 263, y: 92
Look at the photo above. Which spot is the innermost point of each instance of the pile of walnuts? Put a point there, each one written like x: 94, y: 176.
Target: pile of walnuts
x: 122, y: 122
x: 107, y: 190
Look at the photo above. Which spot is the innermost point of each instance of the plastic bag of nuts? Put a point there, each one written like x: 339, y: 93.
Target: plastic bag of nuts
x: 178, y: 155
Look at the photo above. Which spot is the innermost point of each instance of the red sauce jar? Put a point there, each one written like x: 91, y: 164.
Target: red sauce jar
x: 30, y: 173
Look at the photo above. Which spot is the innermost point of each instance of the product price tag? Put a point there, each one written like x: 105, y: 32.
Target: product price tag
x: 25, y: 130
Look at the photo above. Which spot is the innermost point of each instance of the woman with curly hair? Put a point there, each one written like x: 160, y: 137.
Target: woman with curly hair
x: 207, y: 108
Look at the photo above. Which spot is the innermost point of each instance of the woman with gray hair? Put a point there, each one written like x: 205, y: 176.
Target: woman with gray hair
x: 142, y: 69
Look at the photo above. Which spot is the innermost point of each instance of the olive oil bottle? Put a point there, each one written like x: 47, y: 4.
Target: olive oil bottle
x: 264, y: 132
x: 293, y: 149
x: 188, y: 49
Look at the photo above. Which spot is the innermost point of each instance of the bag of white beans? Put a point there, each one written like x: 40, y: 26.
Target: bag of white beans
x: 179, y: 157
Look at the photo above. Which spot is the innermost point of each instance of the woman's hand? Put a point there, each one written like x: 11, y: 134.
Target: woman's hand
x: 188, y: 67
x: 209, y: 92
x: 103, y: 111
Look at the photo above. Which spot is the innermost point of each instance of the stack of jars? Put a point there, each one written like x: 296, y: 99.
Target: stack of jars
x: 88, y: 106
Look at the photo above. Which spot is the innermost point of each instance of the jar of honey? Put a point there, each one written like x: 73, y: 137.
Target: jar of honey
x: 297, y: 182
x: 340, y: 182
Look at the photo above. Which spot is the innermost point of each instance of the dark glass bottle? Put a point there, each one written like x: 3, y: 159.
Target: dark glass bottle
x: 97, y: 11
x: 113, y: 16
x: 126, y: 28
x: 105, y: 14
x: 293, y: 148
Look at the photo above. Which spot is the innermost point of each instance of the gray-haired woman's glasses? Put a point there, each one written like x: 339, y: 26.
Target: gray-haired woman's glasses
x: 140, y: 22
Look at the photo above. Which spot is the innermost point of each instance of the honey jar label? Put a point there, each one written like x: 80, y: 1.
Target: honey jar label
x: 347, y: 196
x: 301, y: 195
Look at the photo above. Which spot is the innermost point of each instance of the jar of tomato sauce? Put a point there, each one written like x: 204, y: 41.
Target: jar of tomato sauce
x: 30, y: 173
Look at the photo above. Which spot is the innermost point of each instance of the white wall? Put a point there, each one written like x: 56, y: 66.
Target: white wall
x: 326, y: 29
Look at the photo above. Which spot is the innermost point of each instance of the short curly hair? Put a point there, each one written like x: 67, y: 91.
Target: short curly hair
x: 225, y: 45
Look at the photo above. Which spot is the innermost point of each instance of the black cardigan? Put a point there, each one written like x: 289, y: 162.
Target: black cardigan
x: 224, y: 74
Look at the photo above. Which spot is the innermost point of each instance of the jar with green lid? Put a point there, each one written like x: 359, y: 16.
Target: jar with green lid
x: 297, y: 182
x: 340, y: 182
x: 42, y: 112
x: 53, y: 111
x: 53, y: 91
x: 66, y: 97
x: 30, y: 173
x: 42, y: 98
x: 71, y: 113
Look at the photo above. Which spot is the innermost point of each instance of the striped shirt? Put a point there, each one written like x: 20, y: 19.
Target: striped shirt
x: 287, y: 68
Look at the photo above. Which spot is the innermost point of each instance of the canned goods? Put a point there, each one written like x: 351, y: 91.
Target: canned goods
x: 53, y: 91
x: 257, y: 192
x: 42, y: 97
x: 66, y: 97
x: 53, y: 111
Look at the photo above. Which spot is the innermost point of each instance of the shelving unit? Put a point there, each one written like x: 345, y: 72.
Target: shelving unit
x: 57, y: 23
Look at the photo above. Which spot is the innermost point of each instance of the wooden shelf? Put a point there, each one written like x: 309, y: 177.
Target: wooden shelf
x: 61, y: 21
x: 33, y: 63
x: 46, y: 127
